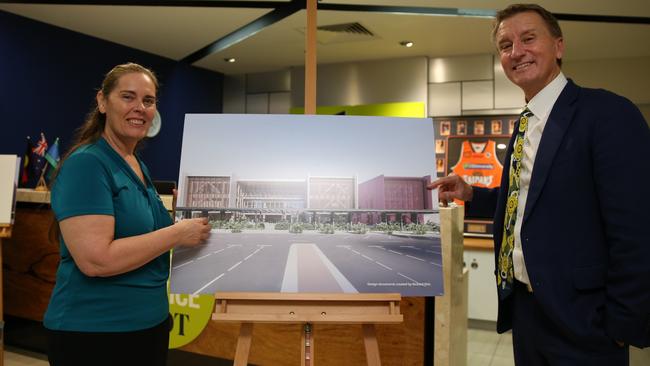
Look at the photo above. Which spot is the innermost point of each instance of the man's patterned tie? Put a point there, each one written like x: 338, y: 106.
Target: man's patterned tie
x: 505, y: 273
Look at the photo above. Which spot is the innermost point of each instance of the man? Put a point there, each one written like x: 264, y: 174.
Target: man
x: 572, y: 252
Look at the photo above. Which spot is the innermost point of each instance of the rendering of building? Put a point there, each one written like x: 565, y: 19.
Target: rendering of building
x: 395, y: 193
x: 332, y: 193
x: 273, y: 198
x: 207, y: 191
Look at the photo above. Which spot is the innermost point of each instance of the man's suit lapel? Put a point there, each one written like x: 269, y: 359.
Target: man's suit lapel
x: 556, y: 126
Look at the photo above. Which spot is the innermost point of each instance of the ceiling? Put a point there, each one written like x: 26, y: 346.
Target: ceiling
x: 181, y: 32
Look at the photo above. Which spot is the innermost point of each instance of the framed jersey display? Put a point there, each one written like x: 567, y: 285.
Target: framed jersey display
x: 478, y: 157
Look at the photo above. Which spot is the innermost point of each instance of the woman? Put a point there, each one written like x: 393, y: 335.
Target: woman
x: 109, y: 305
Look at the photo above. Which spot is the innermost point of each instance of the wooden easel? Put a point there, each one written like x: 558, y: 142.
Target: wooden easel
x: 248, y: 308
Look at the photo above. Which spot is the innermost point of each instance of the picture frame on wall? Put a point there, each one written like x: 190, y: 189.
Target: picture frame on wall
x: 440, y: 146
x: 495, y: 127
x: 511, y: 125
x: 479, y: 127
x: 445, y: 128
x: 440, y: 165
x: 461, y: 128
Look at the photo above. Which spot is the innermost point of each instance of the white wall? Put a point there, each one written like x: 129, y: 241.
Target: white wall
x: 459, y: 85
x: 629, y: 77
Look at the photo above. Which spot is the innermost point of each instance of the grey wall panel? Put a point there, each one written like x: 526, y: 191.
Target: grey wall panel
x: 372, y: 82
x: 234, y: 94
x: 460, y: 68
x: 444, y: 99
x: 477, y: 95
x: 276, y: 81
x: 506, y: 94
x: 257, y: 103
x: 279, y: 103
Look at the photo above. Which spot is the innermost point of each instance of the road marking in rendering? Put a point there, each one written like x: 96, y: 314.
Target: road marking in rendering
x: 181, y: 265
x: 408, y: 246
x: 408, y: 278
x: 252, y: 254
x: 290, y: 278
x: 368, y: 258
x: 208, y: 284
x: 434, y: 252
x: 309, y: 270
x: 204, y: 256
x: 420, y: 259
x: 436, y: 264
x: 392, y: 251
x: 260, y: 247
x: 383, y: 265
x: 199, y: 258
x: 235, y: 266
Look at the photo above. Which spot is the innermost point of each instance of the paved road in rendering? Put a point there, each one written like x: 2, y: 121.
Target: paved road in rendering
x: 278, y: 261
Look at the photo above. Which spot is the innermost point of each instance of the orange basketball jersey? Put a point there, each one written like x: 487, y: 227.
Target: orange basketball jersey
x: 478, y: 164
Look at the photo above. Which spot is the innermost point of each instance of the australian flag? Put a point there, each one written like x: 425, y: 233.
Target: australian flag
x: 38, y: 160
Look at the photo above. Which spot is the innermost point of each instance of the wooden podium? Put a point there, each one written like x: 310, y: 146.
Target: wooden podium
x: 248, y: 308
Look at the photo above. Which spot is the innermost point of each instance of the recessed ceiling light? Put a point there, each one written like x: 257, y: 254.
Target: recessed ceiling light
x: 406, y: 43
x: 230, y: 59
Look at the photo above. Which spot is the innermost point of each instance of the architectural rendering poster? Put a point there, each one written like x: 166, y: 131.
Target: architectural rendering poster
x: 298, y: 203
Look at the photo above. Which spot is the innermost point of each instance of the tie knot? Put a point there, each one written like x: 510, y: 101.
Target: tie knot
x: 523, y: 120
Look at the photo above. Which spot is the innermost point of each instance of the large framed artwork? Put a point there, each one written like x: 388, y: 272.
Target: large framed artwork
x: 327, y: 204
x: 475, y: 149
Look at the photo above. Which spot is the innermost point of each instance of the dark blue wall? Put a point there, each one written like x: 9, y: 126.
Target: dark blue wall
x: 49, y: 77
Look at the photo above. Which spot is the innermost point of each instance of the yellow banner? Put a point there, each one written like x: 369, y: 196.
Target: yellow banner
x: 403, y: 109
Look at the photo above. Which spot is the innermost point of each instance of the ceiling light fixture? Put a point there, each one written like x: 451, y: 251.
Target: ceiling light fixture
x: 229, y: 59
x: 406, y: 44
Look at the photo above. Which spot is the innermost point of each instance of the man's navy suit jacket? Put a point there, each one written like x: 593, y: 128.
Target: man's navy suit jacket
x: 586, y: 225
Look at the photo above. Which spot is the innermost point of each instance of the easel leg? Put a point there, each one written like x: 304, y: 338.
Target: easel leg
x: 307, y: 346
x: 372, y: 347
x: 243, y: 344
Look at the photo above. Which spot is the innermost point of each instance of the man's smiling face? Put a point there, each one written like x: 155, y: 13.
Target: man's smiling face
x: 528, y: 51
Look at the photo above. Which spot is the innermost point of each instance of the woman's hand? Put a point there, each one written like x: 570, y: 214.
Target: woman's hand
x: 193, y: 232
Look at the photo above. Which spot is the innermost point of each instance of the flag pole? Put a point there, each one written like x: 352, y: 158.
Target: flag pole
x: 41, y: 185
